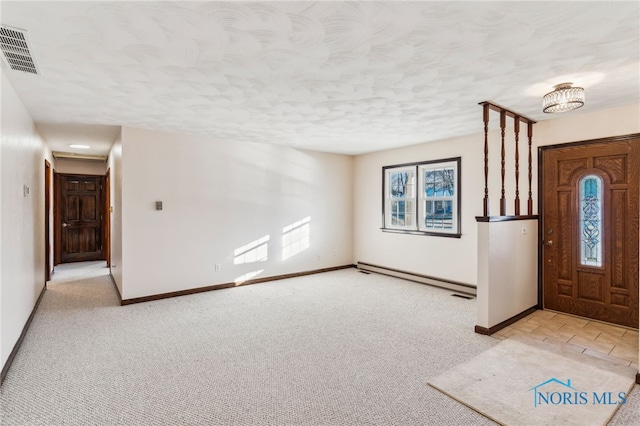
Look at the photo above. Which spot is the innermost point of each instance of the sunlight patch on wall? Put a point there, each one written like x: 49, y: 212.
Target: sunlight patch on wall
x: 295, y: 238
x: 255, y: 251
x: 244, y: 277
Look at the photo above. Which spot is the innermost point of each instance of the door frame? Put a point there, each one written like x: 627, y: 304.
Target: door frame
x: 57, y: 221
x: 106, y: 218
x: 57, y: 228
x: 541, y: 151
x: 47, y: 221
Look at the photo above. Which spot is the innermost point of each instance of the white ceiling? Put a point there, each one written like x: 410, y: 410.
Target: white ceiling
x: 344, y: 77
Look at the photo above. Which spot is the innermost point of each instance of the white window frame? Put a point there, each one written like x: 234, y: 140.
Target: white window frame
x: 424, y: 198
x: 417, y: 197
x: 409, y: 198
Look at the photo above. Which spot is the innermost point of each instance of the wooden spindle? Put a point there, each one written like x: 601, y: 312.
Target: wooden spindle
x: 485, y: 202
x: 487, y: 107
x: 503, y: 200
x: 530, y: 200
x: 516, y: 131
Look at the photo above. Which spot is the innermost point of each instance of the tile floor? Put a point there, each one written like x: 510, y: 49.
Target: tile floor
x: 613, y: 343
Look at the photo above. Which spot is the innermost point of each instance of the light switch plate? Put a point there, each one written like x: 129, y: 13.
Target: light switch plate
x: 158, y: 205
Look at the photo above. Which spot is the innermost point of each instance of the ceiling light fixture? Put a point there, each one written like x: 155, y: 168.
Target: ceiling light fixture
x: 79, y: 146
x: 563, y: 98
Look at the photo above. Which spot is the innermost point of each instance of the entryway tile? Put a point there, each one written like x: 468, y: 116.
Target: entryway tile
x: 616, y: 344
x: 625, y: 352
x: 593, y: 344
x: 611, y: 329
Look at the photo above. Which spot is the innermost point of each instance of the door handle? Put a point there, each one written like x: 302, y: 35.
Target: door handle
x: 549, y: 243
x: 64, y: 225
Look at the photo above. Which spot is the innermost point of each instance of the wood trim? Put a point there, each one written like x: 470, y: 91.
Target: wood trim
x: 422, y: 163
x: 505, y: 218
x: 485, y: 119
x: 16, y: 347
x: 540, y: 229
x: 516, y: 131
x: 47, y: 221
x: 489, y: 331
x: 411, y: 232
x: 106, y: 223
x: 57, y: 231
x: 530, y: 141
x: 229, y: 285
x: 503, y: 124
x: 515, y: 116
x: 620, y: 138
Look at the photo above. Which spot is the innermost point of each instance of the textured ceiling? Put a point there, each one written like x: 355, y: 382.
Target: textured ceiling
x: 346, y: 77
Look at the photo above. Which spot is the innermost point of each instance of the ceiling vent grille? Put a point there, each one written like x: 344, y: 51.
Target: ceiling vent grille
x: 15, y: 47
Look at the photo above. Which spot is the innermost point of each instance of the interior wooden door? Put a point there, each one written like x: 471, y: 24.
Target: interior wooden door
x: 81, y: 218
x: 590, y: 229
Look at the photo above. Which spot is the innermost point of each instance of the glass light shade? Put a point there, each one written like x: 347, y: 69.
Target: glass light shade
x: 563, y: 98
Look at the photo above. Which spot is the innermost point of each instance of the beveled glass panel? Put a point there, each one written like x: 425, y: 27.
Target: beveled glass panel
x: 590, y: 220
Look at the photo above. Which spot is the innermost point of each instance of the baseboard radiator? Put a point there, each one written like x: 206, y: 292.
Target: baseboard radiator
x: 458, y: 287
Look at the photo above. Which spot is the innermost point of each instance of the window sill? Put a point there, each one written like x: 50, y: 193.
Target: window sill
x: 433, y: 234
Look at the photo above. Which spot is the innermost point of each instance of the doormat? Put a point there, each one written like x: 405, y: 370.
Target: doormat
x: 522, y: 381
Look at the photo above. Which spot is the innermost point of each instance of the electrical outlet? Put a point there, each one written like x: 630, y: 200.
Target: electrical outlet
x: 217, y: 268
x: 25, y: 190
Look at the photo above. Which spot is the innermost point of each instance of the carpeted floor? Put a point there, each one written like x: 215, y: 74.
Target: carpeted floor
x: 340, y: 348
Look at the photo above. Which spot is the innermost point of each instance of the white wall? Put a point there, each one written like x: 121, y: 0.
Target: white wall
x: 440, y: 257
x: 220, y: 197
x: 490, y: 256
x: 115, y: 167
x: 456, y: 259
x: 81, y: 167
x: 2, y: 345
x: 22, y: 218
x: 507, y: 270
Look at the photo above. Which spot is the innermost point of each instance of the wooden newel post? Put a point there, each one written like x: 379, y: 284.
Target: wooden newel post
x: 530, y: 200
x: 485, y: 202
x: 503, y: 200
x: 516, y: 131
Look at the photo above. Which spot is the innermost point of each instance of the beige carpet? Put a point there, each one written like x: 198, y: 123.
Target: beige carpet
x: 523, y: 381
x: 333, y: 349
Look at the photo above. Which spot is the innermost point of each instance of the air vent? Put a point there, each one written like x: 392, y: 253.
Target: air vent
x: 15, y: 47
x: 463, y: 296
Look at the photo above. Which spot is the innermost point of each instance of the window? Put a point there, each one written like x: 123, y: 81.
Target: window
x: 401, y: 198
x: 590, y: 188
x: 422, y: 198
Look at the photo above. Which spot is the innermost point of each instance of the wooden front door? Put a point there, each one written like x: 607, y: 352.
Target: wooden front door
x: 590, y: 229
x: 81, y: 218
